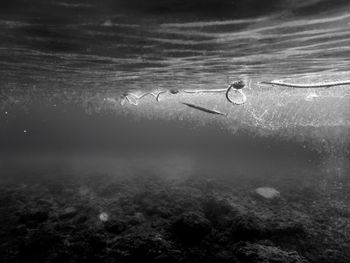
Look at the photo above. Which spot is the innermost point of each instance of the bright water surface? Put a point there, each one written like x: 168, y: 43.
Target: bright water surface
x: 91, y: 47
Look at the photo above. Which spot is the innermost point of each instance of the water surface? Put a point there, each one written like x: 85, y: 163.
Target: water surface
x: 63, y: 65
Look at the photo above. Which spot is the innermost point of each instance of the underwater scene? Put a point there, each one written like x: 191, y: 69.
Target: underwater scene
x: 175, y: 131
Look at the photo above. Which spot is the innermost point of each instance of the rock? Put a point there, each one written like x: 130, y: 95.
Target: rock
x: 247, y: 226
x: 115, y: 227
x: 225, y: 256
x: 144, y: 246
x: 256, y: 253
x: 80, y: 219
x: 250, y: 226
x: 191, y: 226
x: 34, y: 217
x: 68, y: 213
x: 286, y: 228
x: 158, y: 210
x: 149, y: 221
x: 136, y: 219
x: 38, y: 245
x: 84, y: 191
x: 218, y: 211
x: 267, y: 192
x: 332, y: 255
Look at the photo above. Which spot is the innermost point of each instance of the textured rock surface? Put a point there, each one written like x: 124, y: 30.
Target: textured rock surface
x: 153, y: 219
x: 256, y: 253
x: 267, y: 192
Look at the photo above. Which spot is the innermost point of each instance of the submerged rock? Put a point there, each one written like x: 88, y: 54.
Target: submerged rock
x: 256, y: 253
x: 267, y: 192
x: 68, y: 213
x: 114, y: 226
x: 39, y: 246
x: 218, y: 211
x: 150, y: 220
x: 33, y: 218
x: 191, y: 226
x: 144, y: 246
x: 247, y: 226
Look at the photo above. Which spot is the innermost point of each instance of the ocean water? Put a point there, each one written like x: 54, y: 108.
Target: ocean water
x: 91, y: 47
x: 64, y: 67
x: 116, y: 146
